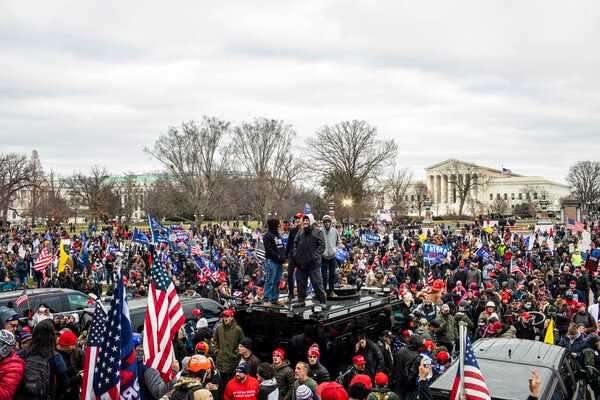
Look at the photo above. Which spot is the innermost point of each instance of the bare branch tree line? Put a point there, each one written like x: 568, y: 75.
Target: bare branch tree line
x: 215, y: 170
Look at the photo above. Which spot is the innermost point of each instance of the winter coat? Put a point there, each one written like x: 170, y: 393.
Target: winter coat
x: 309, y: 245
x: 388, y: 357
x: 447, y: 331
x: 268, y: 390
x: 11, y: 373
x: 155, y: 384
x: 290, y: 244
x: 227, y: 339
x: 331, y: 240
x: 284, y: 375
x: 318, y: 372
x: 373, y: 357
x: 236, y: 390
x: 274, y: 248
x: 574, y: 346
x: 252, y: 364
x: 406, y: 369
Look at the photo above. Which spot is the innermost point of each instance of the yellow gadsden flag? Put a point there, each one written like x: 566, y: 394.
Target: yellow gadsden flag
x: 63, y: 257
x: 550, y: 333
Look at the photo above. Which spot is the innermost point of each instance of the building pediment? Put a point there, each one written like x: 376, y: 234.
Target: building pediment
x: 444, y: 166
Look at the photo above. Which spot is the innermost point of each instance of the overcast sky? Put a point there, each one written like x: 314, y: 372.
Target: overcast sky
x: 508, y: 83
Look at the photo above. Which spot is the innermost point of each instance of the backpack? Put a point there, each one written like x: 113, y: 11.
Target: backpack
x: 184, y: 389
x: 36, y: 378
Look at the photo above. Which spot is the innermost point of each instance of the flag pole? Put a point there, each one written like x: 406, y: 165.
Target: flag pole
x: 462, y: 329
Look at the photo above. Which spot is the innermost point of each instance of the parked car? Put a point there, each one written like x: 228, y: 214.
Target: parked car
x: 59, y: 300
x: 506, y: 365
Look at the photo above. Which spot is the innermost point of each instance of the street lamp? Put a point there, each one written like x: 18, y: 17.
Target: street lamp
x: 347, y: 204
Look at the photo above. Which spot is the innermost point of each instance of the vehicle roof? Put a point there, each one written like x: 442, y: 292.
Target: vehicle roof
x: 140, y: 302
x: 519, y: 350
x: 35, y: 292
x: 498, y: 368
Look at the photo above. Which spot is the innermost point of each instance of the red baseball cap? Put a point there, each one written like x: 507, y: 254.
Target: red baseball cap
x: 381, y: 379
x: 362, y: 378
x: 228, y: 313
x: 358, y: 360
x: 442, y: 357
x: 67, y: 338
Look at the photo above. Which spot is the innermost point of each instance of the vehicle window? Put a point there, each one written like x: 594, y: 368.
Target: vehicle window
x: 54, y: 302
x: 78, y: 301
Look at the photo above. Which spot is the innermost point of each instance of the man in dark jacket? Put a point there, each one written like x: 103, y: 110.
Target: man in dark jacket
x: 289, y: 252
x: 385, y: 347
x: 316, y: 370
x: 268, y: 385
x: 274, y: 258
x: 406, y: 364
x: 309, y: 245
x: 248, y: 357
x: 283, y: 373
x: 369, y: 350
x: 227, y: 337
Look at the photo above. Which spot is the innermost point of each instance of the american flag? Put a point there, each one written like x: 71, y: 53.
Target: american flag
x: 43, y: 260
x: 23, y: 298
x: 430, y: 277
x: 94, y: 340
x: 164, y: 317
x: 260, y: 251
x: 475, y: 387
x: 575, y: 226
x: 196, y: 250
x: 115, y: 372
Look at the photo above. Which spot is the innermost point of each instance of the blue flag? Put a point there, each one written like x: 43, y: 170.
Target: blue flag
x: 434, y: 254
x: 341, y: 255
x: 140, y: 237
x: 482, y: 252
x: 160, y: 234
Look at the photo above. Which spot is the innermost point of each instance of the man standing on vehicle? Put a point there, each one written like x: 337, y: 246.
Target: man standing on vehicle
x: 274, y: 258
x: 309, y: 245
x: 329, y: 262
x: 289, y: 253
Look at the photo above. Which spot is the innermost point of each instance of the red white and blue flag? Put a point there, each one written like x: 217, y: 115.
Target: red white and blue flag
x: 115, y: 374
x: 95, y: 338
x: 196, y: 250
x: 164, y: 317
x: 575, y: 226
x: 475, y: 387
x: 43, y: 261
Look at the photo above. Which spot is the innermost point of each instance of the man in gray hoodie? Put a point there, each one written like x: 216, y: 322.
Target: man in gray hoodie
x: 329, y: 263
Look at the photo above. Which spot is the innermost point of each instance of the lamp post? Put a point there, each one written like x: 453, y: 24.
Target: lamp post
x: 347, y: 204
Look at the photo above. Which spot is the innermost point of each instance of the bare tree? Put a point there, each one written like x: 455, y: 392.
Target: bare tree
x: 196, y: 158
x: 396, y: 187
x: 466, y: 181
x: 348, y: 157
x: 52, y: 206
x: 499, y: 206
x: 127, y: 190
x: 15, y: 175
x: 264, y: 149
x: 421, y: 195
x: 163, y: 199
x: 584, y: 178
x: 96, y: 191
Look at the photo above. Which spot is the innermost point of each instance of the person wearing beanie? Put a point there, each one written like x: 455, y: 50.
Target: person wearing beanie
x: 242, y: 386
x: 331, y: 391
x: 274, y: 259
x: 381, y: 390
x: 302, y: 379
x: 268, y: 385
x: 248, y: 357
x: 227, y: 337
x: 309, y: 246
x: 316, y: 370
x: 283, y: 373
x: 66, y: 345
x: 329, y: 262
x: 304, y: 393
x: 9, y: 319
x: 11, y: 366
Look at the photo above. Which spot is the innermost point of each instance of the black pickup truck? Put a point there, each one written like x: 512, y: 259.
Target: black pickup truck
x: 506, y: 365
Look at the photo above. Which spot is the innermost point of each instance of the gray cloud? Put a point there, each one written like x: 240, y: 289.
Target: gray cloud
x: 495, y: 83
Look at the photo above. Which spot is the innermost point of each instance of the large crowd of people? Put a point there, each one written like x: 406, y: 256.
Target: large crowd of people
x: 499, y: 282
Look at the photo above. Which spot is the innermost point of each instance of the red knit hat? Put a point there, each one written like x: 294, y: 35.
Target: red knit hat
x: 313, y: 351
x: 362, y: 378
x: 442, y: 357
x: 279, y: 352
x: 67, y: 338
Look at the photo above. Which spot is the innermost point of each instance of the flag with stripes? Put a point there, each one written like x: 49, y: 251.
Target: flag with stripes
x: 43, y: 260
x: 260, y: 250
x: 575, y: 226
x: 94, y: 340
x: 164, y: 317
x: 196, y: 250
x: 23, y: 298
x: 475, y: 387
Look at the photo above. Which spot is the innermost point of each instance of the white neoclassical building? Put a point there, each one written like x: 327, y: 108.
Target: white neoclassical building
x: 491, y: 186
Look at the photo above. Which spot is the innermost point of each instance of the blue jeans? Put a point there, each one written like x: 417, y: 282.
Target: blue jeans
x: 272, y: 277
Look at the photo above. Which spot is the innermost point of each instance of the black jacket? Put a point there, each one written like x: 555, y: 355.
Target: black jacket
x: 274, y: 249
x: 290, y: 244
x: 373, y: 356
x: 309, y: 245
x: 406, y: 363
x: 318, y: 372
